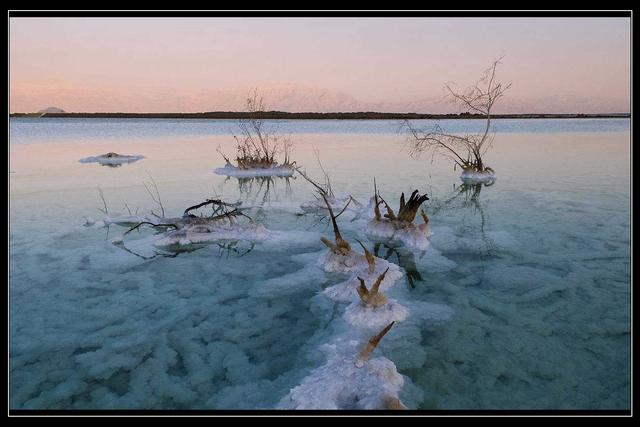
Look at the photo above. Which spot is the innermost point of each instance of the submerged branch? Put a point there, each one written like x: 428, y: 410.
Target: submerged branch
x: 219, y: 204
x: 151, y: 224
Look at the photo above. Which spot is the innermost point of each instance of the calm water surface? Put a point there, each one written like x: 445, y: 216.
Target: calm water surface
x: 535, y: 268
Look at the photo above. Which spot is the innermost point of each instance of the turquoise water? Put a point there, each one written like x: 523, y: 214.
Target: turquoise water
x: 535, y: 269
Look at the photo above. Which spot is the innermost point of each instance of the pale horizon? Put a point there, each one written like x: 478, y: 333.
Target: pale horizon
x: 188, y: 65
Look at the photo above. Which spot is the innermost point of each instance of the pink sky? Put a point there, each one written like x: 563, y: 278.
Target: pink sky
x: 555, y: 65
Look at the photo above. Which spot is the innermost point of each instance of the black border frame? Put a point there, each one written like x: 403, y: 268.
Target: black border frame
x: 333, y: 14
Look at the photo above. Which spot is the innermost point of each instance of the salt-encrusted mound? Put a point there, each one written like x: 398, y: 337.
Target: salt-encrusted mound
x: 339, y: 384
x: 234, y: 171
x: 112, y: 159
x: 361, y: 316
x: 122, y: 219
x: 347, y: 291
x: 353, y: 263
x: 409, y: 234
x: 366, y: 212
x: 213, y: 231
x: 472, y: 177
x: 338, y: 203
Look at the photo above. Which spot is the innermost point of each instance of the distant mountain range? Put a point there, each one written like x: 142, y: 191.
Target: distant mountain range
x: 290, y: 98
x: 280, y: 115
x: 54, y: 110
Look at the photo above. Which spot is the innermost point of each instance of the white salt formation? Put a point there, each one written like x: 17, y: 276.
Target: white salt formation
x: 349, y: 381
x: 470, y: 176
x: 342, y: 259
x: 339, y: 384
x: 214, y: 231
x: 112, y: 159
x: 411, y: 235
x: 222, y: 224
x: 366, y: 212
x: 400, y: 229
x: 347, y: 291
x: 365, y: 317
x: 374, y: 309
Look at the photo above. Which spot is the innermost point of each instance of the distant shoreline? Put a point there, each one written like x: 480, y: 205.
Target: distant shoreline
x: 281, y: 115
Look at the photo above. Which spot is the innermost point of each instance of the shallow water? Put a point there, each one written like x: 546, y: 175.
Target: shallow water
x: 535, y: 269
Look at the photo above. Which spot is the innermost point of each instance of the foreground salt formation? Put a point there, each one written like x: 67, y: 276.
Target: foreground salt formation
x: 112, y: 159
x: 400, y: 229
x: 349, y: 380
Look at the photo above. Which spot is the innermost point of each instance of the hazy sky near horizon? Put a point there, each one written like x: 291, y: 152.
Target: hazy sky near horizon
x: 555, y: 65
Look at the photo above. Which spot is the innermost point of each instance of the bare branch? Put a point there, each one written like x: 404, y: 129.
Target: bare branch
x: 466, y: 151
x: 151, y: 224
x: 104, y: 203
x: 256, y: 146
x: 155, y: 197
x: 366, y: 352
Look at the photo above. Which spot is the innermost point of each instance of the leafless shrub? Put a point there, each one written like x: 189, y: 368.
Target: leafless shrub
x: 256, y: 147
x: 407, y: 211
x: 154, y: 193
x: 465, y: 150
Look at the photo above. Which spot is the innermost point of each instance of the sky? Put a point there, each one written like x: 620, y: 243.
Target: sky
x: 555, y: 65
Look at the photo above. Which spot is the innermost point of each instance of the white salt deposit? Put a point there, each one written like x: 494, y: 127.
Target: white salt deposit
x: 346, y: 291
x: 472, y: 177
x: 361, y: 316
x: 112, y: 159
x: 410, y: 235
x: 214, y: 231
x: 339, y: 384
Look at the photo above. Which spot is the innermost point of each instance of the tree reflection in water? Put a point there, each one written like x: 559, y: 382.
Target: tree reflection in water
x: 467, y: 196
x: 404, y: 258
x: 262, y: 188
x: 226, y: 249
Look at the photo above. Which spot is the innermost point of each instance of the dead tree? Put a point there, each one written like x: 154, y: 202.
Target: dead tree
x: 372, y: 297
x: 407, y: 211
x: 465, y: 150
x: 221, y: 211
x: 340, y: 246
x: 371, y: 260
x: 367, y: 350
x: 392, y: 403
x: 256, y: 147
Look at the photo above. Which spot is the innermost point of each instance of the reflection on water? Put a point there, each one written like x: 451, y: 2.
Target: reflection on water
x: 259, y: 190
x: 225, y: 248
x: 403, y: 257
x: 156, y: 253
x: 234, y: 248
x: 465, y: 198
